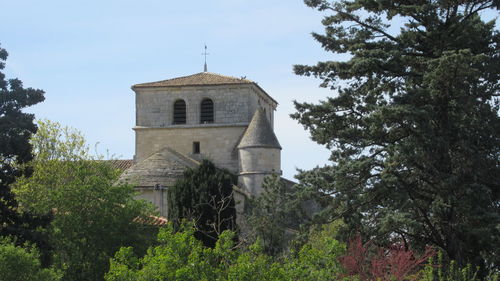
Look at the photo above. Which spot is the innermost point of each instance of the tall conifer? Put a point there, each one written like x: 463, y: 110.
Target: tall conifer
x: 413, y: 127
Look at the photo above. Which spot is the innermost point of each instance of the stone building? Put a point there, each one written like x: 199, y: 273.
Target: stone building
x: 183, y: 120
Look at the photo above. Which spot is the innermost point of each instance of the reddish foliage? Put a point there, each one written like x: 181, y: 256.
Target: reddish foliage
x: 355, y: 259
x: 385, y: 264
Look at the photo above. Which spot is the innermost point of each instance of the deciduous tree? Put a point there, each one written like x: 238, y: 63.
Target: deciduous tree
x: 22, y: 264
x: 93, y: 217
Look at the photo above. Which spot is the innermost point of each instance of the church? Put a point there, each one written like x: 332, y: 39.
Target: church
x: 180, y: 121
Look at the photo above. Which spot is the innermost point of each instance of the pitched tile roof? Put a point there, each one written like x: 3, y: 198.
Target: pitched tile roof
x: 151, y: 220
x: 259, y: 133
x: 121, y: 164
x: 201, y: 79
x: 163, y: 167
x: 198, y: 79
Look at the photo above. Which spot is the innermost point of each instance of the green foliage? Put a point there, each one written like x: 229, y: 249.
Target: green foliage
x: 274, y: 215
x: 56, y: 142
x: 22, y: 264
x: 204, y: 195
x: 180, y: 256
x: 440, y: 270
x: 255, y: 265
x: 93, y: 217
x: 16, y: 128
x: 413, y: 128
x: 318, y: 258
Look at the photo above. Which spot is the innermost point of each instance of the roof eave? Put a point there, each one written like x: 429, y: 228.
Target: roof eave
x: 138, y: 86
x: 265, y: 93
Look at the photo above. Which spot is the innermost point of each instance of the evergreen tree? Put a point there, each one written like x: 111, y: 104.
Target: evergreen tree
x: 16, y: 128
x: 414, y: 127
x: 205, y: 196
x: 274, y: 216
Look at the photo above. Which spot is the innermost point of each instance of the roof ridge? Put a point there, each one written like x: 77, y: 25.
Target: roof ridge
x: 179, y: 155
x: 227, y: 76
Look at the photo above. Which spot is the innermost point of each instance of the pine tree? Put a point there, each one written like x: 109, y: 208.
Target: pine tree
x: 16, y: 128
x: 414, y: 126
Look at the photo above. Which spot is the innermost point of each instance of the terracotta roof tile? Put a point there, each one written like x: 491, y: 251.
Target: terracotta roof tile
x: 121, y: 164
x: 198, y: 79
x: 201, y: 79
x: 151, y: 220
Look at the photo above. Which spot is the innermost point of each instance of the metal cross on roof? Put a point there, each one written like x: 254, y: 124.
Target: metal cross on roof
x: 205, y: 54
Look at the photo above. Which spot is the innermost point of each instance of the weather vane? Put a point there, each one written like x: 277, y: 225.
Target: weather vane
x: 205, y: 54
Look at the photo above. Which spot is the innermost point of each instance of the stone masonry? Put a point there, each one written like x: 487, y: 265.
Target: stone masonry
x: 242, y: 110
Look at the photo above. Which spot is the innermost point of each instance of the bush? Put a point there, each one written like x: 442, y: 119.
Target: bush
x: 22, y: 264
x: 440, y: 270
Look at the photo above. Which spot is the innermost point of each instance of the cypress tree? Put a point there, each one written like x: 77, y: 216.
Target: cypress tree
x: 205, y: 196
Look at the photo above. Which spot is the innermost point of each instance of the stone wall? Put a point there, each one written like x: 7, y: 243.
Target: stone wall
x: 255, y: 164
x: 232, y: 104
x: 234, y: 107
x: 260, y: 159
x: 157, y: 197
x: 217, y: 143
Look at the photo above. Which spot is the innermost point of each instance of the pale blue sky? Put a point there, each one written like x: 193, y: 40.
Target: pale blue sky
x: 87, y: 54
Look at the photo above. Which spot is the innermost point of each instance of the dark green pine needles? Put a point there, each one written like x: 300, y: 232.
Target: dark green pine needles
x: 16, y: 128
x: 413, y: 128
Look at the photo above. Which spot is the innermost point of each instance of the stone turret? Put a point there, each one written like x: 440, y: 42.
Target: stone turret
x: 259, y: 154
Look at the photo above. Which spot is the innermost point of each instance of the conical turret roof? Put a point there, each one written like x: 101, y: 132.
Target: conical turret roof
x: 259, y: 133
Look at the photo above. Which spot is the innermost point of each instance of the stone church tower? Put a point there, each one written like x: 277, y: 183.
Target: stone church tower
x: 183, y: 120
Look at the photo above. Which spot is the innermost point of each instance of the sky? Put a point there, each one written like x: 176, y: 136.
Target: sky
x: 86, y: 54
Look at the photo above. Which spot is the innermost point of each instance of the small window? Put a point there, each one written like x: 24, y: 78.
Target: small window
x: 207, y: 111
x: 180, y: 112
x: 196, y: 147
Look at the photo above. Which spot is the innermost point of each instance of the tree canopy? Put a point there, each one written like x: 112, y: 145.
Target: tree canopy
x: 93, y: 216
x: 22, y: 264
x: 413, y: 128
x: 178, y: 255
x: 204, y: 195
x: 16, y: 128
x: 275, y: 215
